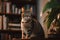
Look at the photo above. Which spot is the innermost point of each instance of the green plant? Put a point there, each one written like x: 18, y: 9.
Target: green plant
x: 54, y: 5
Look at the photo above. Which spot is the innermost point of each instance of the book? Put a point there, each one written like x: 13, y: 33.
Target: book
x: 14, y: 29
x: 16, y: 10
x: 13, y: 24
x: 13, y: 9
x: 4, y: 22
x: 4, y: 36
x: 19, y: 11
x: 4, y: 7
x: 0, y: 7
x: 1, y: 22
x: 8, y: 10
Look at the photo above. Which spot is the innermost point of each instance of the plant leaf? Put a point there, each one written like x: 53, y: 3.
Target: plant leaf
x: 52, y: 4
x: 53, y: 15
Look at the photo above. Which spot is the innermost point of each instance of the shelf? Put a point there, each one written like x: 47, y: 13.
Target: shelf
x: 10, y: 31
x: 17, y: 29
x: 7, y: 14
x: 13, y: 24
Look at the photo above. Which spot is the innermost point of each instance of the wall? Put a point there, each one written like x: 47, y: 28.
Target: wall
x: 41, y: 16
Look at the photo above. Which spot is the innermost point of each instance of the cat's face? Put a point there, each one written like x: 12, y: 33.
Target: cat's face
x: 27, y: 17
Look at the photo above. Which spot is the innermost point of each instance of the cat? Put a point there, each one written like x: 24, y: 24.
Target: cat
x: 30, y: 27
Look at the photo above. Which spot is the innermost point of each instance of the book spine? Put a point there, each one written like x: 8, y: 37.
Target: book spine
x: 4, y: 7
x: 4, y: 36
x: 13, y: 24
x: 1, y: 22
x: 19, y: 11
x: 13, y: 9
x: 16, y: 10
x: 4, y: 22
x: 1, y: 7
x: 8, y: 10
x: 14, y: 29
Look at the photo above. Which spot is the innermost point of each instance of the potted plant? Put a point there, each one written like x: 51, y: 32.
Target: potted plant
x: 54, y: 5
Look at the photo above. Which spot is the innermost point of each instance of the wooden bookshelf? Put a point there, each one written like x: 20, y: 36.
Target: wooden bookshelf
x: 11, y: 10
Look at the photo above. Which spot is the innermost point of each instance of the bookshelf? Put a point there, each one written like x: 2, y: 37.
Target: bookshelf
x: 12, y: 9
x: 10, y: 15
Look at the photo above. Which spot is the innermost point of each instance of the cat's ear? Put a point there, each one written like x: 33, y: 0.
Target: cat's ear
x: 22, y: 9
x: 31, y: 9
